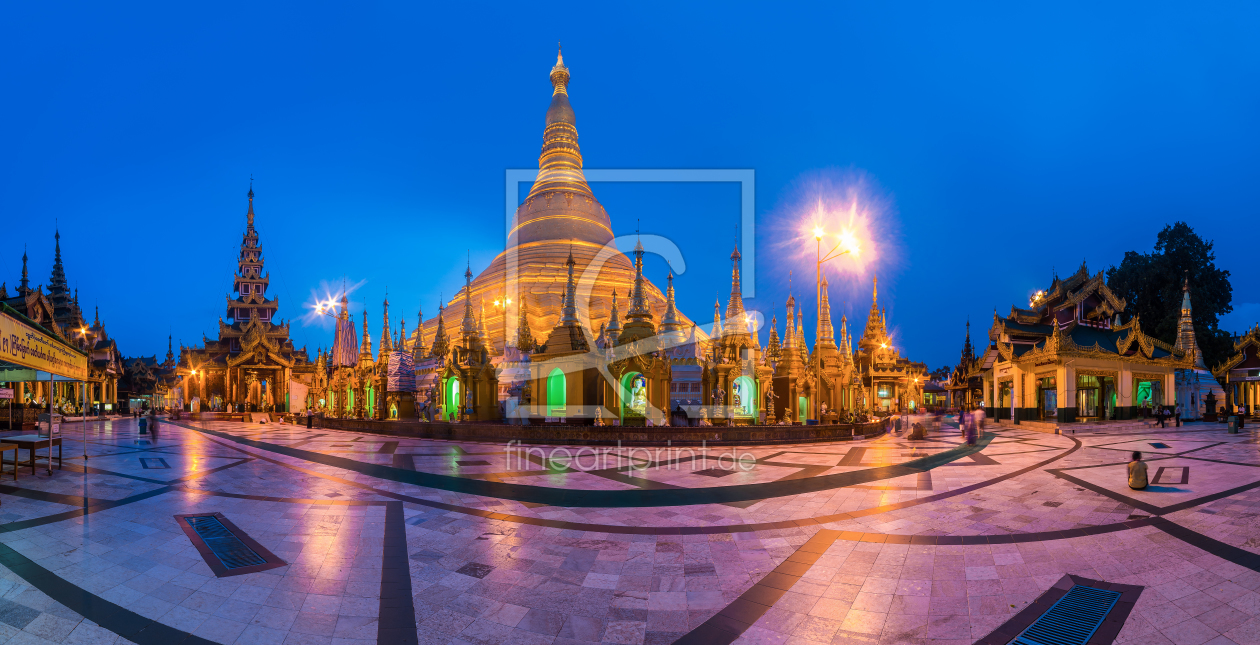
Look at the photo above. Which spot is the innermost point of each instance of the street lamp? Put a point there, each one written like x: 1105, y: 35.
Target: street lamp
x: 850, y: 246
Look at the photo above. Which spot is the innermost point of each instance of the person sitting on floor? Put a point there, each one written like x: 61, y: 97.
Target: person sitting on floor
x: 1137, y: 472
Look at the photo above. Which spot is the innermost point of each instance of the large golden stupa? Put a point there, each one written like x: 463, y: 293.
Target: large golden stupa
x: 560, y: 216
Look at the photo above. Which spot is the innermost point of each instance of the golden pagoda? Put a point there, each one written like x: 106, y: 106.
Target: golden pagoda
x: 559, y: 215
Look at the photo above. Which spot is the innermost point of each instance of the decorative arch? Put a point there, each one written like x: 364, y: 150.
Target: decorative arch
x: 557, y: 385
x: 744, y: 396
x: 452, y: 397
x: 633, y: 395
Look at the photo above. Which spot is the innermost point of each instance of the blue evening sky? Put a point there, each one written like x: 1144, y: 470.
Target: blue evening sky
x: 990, y: 144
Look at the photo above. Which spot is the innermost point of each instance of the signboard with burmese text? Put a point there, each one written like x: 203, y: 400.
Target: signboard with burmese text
x: 24, y: 345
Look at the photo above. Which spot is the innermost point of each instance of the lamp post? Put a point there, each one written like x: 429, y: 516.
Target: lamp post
x: 851, y: 246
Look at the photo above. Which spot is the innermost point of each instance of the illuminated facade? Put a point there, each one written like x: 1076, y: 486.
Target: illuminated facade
x: 1241, y: 374
x: 253, y: 362
x: 560, y: 216
x: 58, y: 312
x: 1069, y: 358
x: 888, y: 381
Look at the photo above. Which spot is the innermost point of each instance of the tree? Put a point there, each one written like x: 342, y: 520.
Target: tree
x: 1151, y: 284
x: 941, y: 373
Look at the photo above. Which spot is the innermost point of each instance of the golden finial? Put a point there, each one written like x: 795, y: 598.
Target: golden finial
x: 559, y: 73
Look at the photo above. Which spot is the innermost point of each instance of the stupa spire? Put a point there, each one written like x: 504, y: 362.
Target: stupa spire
x: 638, y: 297
x: 613, y: 329
x: 826, y: 333
x: 559, y: 73
x: 736, y: 322
x: 386, y: 345
x: 481, y: 325
x: 717, y: 319
x: 441, y: 342
x: 789, y: 332
x: 560, y: 163
x: 1186, y: 340
x: 58, y: 289
x: 249, y: 215
x: 524, y: 337
x: 800, y: 329
x: 365, y: 350
x: 670, y: 321
x: 874, y: 320
x: 773, y: 348
x: 568, y: 312
x: 25, y: 284
x: 469, y: 327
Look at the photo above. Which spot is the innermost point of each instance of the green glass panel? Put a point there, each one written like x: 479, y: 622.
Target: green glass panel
x: 452, y: 397
x: 556, y: 393
x: 745, y: 398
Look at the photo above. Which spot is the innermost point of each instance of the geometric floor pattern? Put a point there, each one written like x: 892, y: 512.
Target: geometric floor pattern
x: 397, y: 540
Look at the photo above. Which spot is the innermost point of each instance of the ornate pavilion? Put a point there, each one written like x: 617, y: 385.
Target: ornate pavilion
x: 1069, y: 358
x: 252, y: 363
x: 58, y: 311
x: 1241, y: 373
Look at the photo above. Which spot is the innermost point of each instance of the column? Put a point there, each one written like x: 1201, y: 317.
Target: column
x: 1017, y: 393
x: 1124, y: 392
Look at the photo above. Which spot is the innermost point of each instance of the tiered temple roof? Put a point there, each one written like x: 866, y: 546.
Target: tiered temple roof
x: 1078, y: 316
x: 252, y: 334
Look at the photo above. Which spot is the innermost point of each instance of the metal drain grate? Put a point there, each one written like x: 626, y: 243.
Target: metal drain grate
x: 227, y: 550
x: 1072, y: 620
x: 223, y: 543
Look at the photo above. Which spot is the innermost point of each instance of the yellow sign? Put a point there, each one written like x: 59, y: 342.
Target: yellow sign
x: 29, y: 347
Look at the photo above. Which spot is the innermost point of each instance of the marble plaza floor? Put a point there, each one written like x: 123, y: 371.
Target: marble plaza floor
x: 377, y: 539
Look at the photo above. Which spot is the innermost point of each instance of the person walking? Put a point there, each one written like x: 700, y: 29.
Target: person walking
x: 1137, y: 472
x: 1177, y: 412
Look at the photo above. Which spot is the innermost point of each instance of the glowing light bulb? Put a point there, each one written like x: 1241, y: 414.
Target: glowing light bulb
x: 818, y: 232
x: 850, y: 243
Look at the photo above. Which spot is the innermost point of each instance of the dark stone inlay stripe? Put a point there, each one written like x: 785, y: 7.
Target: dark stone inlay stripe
x: 577, y: 498
x: 397, y: 621
x: 730, y: 623
x: 1241, y: 557
x: 1146, y: 506
x: 121, y: 621
x: 665, y: 530
x: 46, y: 496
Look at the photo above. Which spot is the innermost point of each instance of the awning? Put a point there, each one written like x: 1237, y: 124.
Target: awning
x: 28, y: 352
